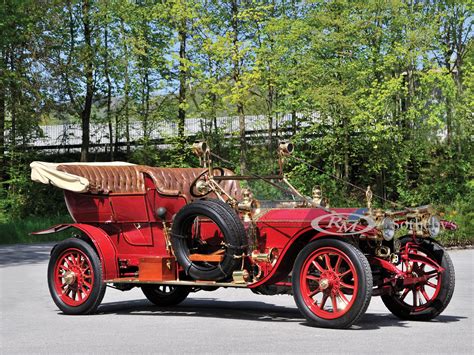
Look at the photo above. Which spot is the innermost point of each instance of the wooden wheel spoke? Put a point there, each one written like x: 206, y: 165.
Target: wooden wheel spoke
x: 323, y: 301
x: 343, y: 297
x: 75, y: 259
x: 425, y: 295
x: 315, y: 292
x: 85, y: 283
x: 338, y: 264
x: 344, y: 285
x: 415, y: 298
x: 313, y: 278
x: 345, y: 273
x: 431, y: 274
x: 334, y: 303
x: 327, y: 259
x: 68, y: 290
x: 317, y: 266
x: 430, y: 284
x: 63, y: 267
x: 404, y: 294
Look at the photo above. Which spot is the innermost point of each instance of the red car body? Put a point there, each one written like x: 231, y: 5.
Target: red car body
x: 127, y: 218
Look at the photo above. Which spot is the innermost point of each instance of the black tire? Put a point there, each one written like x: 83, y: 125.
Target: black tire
x: 435, y: 306
x: 229, y: 225
x: 331, y: 281
x: 76, y: 287
x: 234, y: 216
x: 165, y: 295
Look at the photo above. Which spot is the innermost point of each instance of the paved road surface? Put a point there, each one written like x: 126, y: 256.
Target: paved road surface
x: 225, y: 321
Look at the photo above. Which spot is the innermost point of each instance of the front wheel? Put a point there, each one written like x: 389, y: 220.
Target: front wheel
x: 429, y: 281
x: 332, y: 283
x: 165, y: 295
x: 75, y: 277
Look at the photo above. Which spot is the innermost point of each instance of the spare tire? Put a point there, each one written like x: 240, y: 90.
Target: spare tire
x: 229, y: 242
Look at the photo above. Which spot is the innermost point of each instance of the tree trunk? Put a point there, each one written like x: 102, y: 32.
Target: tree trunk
x: 2, y: 115
x: 294, y: 122
x: 346, y: 153
x: 243, y: 142
x: 182, y: 34
x: 236, y: 77
x: 270, y: 117
x: 13, y: 102
x: 117, y: 133
x: 89, y: 76
x: 146, y: 106
x: 109, y: 93
x: 126, y: 89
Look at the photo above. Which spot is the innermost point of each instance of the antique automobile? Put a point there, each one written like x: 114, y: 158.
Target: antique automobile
x: 173, y: 231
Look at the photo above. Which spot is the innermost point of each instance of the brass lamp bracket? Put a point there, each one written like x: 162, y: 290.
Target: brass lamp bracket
x: 368, y: 196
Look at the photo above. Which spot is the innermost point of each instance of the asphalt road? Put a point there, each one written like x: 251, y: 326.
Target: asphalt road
x: 224, y: 321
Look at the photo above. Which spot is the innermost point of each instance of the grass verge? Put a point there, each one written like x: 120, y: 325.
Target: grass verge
x: 18, y: 231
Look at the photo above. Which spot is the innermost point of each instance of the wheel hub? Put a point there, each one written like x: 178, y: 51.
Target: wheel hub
x: 324, y: 284
x: 69, y: 278
x: 329, y: 281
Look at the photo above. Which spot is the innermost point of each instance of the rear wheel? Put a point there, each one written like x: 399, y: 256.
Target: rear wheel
x: 165, y: 295
x: 75, y: 277
x: 430, y: 271
x: 332, y: 283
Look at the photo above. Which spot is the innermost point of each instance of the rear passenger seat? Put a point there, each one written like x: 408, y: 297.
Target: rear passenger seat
x: 130, y: 179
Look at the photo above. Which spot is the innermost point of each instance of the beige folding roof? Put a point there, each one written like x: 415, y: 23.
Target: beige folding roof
x: 47, y: 173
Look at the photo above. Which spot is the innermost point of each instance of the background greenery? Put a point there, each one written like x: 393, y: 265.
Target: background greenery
x: 379, y: 93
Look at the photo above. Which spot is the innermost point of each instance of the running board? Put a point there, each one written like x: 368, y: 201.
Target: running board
x: 177, y: 283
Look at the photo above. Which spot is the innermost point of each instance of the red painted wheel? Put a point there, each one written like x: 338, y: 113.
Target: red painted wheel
x: 428, y: 283
x: 332, y: 283
x: 75, y: 277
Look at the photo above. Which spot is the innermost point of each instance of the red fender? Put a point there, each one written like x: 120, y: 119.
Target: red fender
x: 289, y: 252
x: 102, y: 242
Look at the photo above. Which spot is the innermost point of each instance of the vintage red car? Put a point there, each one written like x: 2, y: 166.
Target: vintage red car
x: 172, y: 231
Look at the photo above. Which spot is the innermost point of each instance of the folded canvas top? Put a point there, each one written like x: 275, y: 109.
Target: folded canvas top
x: 47, y: 173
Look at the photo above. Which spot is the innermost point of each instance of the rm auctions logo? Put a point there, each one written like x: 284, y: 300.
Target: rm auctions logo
x: 343, y: 223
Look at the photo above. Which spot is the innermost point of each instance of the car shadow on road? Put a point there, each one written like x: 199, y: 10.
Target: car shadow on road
x: 249, y: 310
x: 381, y: 320
x: 207, y: 307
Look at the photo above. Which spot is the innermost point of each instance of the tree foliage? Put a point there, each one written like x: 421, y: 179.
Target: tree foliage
x: 373, y: 93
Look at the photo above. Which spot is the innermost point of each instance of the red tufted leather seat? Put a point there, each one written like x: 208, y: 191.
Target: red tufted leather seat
x: 130, y: 179
x: 177, y: 181
x: 109, y: 179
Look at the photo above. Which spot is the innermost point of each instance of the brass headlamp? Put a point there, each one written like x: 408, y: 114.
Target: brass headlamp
x: 286, y: 148
x: 200, y: 148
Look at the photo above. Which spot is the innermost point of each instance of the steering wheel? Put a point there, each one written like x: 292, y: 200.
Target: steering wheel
x: 192, y: 188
